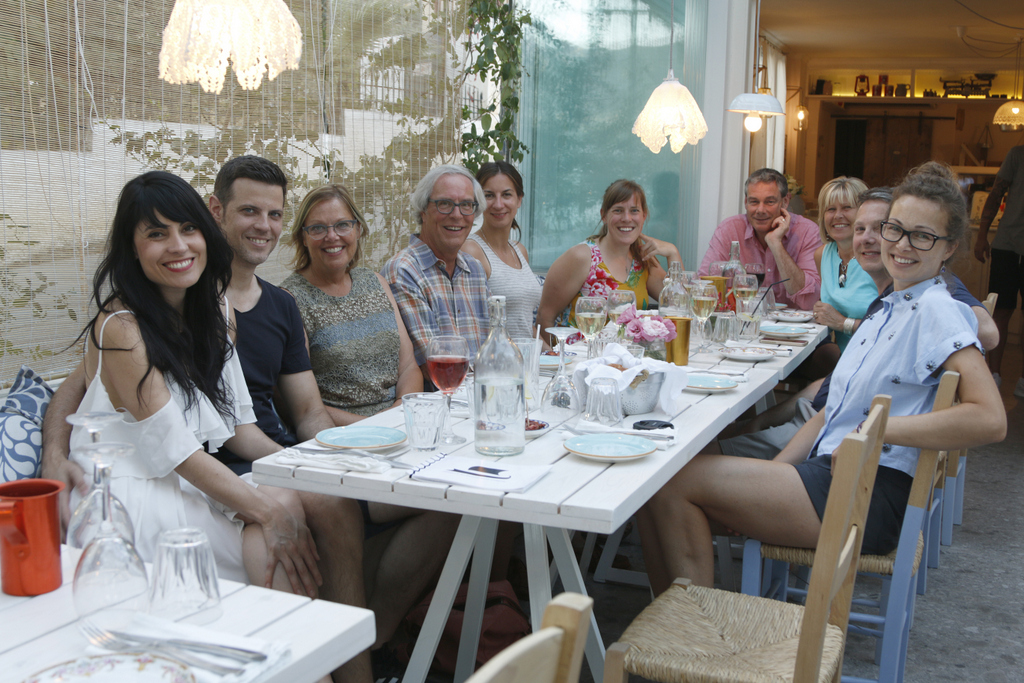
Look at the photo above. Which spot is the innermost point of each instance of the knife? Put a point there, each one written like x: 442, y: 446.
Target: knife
x: 236, y: 653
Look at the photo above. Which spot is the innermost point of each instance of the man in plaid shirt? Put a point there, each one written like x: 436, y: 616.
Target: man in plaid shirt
x: 439, y: 289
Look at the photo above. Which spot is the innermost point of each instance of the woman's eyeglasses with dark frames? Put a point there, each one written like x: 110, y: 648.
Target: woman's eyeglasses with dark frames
x: 920, y: 240
x: 341, y: 229
x: 446, y: 206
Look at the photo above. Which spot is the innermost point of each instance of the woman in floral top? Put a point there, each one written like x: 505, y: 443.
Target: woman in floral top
x: 619, y: 256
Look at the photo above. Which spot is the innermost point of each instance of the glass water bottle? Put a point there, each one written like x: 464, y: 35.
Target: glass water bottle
x: 500, y: 427
x: 674, y: 300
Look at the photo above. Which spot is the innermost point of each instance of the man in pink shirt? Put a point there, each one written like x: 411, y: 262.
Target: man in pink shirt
x: 769, y: 234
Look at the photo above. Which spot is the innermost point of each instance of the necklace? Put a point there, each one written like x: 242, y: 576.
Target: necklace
x: 507, y: 249
x: 842, y: 273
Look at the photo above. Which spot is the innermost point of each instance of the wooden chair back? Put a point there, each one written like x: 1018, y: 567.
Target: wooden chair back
x: 990, y: 302
x: 839, y: 543
x: 928, y: 471
x: 554, y: 654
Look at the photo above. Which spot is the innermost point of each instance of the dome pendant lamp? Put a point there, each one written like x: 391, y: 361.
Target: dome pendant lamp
x: 762, y: 103
x: 1010, y: 116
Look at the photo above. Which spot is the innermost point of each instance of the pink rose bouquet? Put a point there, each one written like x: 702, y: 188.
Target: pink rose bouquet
x: 644, y: 328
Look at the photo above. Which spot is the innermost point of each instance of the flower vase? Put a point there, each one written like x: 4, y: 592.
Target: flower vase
x: 654, y: 349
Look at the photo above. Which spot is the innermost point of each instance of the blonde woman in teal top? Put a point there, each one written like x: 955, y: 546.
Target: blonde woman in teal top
x: 846, y: 290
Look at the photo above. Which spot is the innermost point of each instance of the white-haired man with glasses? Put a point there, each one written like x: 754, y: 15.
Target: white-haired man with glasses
x: 439, y: 289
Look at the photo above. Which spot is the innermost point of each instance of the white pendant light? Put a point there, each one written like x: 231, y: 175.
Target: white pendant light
x: 257, y: 36
x: 762, y: 103
x: 671, y: 114
x: 1010, y: 116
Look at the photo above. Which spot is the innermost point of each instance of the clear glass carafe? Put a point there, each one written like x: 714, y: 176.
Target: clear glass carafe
x: 498, y: 395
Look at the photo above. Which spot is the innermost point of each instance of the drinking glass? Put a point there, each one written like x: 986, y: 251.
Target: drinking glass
x: 530, y: 348
x: 590, y: 319
x: 748, y: 314
x: 88, y: 515
x: 110, y: 579
x: 424, y: 416
x: 560, y: 399
x: 703, y: 299
x: 185, y: 577
x: 618, y: 301
x: 604, y: 404
x: 447, y: 363
x: 744, y: 287
x: 757, y: 270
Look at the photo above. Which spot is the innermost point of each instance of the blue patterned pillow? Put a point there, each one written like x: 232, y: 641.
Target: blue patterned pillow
x: 21, y: 422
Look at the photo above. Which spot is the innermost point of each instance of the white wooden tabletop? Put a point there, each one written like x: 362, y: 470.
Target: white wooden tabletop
x: 39, y: 632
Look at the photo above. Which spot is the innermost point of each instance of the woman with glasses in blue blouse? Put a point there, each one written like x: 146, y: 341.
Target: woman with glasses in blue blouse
x: 900, y: 351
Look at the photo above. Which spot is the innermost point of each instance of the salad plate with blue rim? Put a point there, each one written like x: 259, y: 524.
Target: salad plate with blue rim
x: 356, y: 436
x: 610, y: 447
x: 784, y: 331
x: 708, y: 384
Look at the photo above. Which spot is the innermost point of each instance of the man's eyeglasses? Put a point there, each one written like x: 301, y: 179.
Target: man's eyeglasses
x: 341, y: 229
x: 920, y: 240
x: 446, y: 206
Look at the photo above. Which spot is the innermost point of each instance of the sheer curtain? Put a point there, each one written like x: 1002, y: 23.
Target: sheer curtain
x: 775, y: 130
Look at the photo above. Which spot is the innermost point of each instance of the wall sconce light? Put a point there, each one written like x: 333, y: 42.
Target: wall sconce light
x: 801, y: 117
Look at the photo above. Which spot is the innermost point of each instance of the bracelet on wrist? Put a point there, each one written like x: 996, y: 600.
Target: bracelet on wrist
x: 848, y: 325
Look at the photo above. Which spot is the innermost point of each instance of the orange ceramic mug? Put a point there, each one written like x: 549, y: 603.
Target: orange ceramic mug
x: 30, y: 536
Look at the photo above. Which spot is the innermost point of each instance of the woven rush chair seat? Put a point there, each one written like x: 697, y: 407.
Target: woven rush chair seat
x: 701, y: 635
x: 872, y: 564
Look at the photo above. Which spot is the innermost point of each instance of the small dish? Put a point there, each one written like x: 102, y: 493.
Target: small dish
x: 140, y: 668
x: 749, y: 354
x: 356, y: 436
x: 610, y: 447
x: 783, y: 331
x: 794, y: 316
x: 543, y: 429
x: 706, y: 384
x: 552, y: 361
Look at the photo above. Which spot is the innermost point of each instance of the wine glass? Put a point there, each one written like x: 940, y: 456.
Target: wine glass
x: 87, y: 517
x: 744, y: 287
x: 618, y: 301
x: 590, y: 319
x: 703, y: 299
x: 447, y: 364
x: 560, y: 396
x: 110, y: 580
x: 757, y: 270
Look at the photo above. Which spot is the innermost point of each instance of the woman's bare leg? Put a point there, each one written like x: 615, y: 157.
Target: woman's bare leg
x: 757, y: 498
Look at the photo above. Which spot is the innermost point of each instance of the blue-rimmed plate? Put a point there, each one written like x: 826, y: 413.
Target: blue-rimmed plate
x: 784, y: 331
x: 610, y: 447
x: 552, y: 361
x: 708, y: 384
x: 356, y: 436
x: 789, y: 316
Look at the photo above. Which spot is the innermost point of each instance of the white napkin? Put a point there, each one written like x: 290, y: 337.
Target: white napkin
x: 332, y: 460
x: 671, y: 389
x: 717, y: 372
x: 277, y: 651
x: 598, y: 428
x: 779, y: 350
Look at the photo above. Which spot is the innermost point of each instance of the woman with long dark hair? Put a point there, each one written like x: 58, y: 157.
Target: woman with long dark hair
x: 159, y: 350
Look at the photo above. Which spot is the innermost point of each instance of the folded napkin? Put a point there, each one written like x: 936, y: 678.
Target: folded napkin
x: 779, y: 350
x: 672, y: 388
x: 597, y: 428
x: 148, y: 626
x: 332, y: 460
x: 717, y: 372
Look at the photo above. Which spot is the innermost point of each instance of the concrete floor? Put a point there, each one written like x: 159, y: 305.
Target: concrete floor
x: 969, y: 627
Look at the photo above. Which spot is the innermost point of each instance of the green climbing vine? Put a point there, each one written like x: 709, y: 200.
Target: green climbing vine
x: 494, y: 48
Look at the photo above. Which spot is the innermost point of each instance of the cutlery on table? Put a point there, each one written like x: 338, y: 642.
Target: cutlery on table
x: 389, y: 458
x: 634, y: 432
x: 239, y: 653
x: 109, y: 641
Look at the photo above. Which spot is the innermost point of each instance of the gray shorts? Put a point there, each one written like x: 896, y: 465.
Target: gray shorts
x: 767, y: 443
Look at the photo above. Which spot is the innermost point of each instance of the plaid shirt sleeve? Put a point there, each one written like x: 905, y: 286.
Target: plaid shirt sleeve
x: 405, y: 281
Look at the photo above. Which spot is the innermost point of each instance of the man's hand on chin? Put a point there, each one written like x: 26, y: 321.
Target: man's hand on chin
x: 780, y: 226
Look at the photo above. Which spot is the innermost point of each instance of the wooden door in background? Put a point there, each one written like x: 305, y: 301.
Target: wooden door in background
x: 893, y: 146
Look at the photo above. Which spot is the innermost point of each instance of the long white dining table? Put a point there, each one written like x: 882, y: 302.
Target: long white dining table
x: 39, y: 632
x: 577, y: 494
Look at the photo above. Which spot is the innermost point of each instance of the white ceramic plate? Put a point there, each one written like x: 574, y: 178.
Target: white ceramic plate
x: 610, y: 447
x: 750, y: 354
x: 793, y: 316
x: 706, y: 384
x: 552, y: 361
x: 539, y: 432
x: 138, y: 668
x: 783, y: 331
x: 356, y: 436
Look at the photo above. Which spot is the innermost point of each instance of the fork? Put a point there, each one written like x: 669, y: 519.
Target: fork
x: 109, y: 641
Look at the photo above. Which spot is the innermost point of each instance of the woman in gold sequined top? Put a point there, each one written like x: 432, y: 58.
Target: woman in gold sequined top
x: 360, y: 351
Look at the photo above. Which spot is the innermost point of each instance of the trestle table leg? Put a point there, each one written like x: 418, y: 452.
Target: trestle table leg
x: 572, y: 580
x: 538, y: 577
x: 476, y: 597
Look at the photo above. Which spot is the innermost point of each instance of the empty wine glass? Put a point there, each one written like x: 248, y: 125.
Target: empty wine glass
x: 618, y: 301
x: 447, y: 363
x: 590, y: 319
x: 703, y: 299
x: 110, y: 579
x: 560, y: 399
x: 86, y: 519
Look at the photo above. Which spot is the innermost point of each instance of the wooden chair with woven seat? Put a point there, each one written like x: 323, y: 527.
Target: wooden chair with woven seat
x: 766, y: 567
x: 553, y: 654
x: 692, y: 633
x: 956, y: 471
